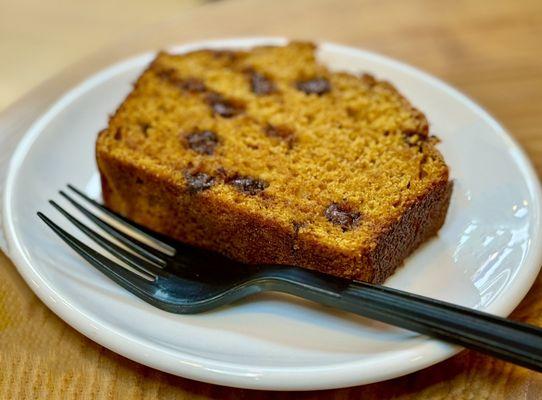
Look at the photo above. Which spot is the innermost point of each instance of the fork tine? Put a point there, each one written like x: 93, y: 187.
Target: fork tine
x: 132, y: 282
x: 129, y: 241
x: 134, y: 261
x: 157, y: 244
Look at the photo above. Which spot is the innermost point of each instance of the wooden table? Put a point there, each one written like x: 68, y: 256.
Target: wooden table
x: 491, y: 51
x: 39, y: 38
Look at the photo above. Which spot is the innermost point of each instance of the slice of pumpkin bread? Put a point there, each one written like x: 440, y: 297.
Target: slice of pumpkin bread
x: 267, y: 156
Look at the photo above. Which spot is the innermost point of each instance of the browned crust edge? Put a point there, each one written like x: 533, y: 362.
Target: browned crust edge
x: 422, y: 220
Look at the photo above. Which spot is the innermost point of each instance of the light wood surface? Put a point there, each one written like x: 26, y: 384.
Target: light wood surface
x: 39, y: 38
x: 491, y: 51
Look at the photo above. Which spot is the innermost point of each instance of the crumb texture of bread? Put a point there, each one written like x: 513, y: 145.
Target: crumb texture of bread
x: 267, y: 156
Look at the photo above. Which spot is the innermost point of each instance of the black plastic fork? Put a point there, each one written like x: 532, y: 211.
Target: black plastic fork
x: 183, y: 279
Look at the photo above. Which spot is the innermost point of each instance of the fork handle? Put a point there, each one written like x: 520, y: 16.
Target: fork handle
x: 515, y: 342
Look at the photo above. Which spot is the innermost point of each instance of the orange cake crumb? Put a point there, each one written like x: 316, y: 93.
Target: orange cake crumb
x: 267, y: 156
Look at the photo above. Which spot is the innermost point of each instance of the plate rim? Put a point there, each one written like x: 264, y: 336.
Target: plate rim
x: 330, y: 376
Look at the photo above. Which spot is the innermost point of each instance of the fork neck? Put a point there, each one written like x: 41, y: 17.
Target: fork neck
x: 297, y: 281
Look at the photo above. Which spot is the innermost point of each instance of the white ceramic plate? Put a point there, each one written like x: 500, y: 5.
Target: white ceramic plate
x: 486, y: 256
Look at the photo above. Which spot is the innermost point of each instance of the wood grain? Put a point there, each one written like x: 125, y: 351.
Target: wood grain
x: 39, y: 38
x: 491, y: 51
